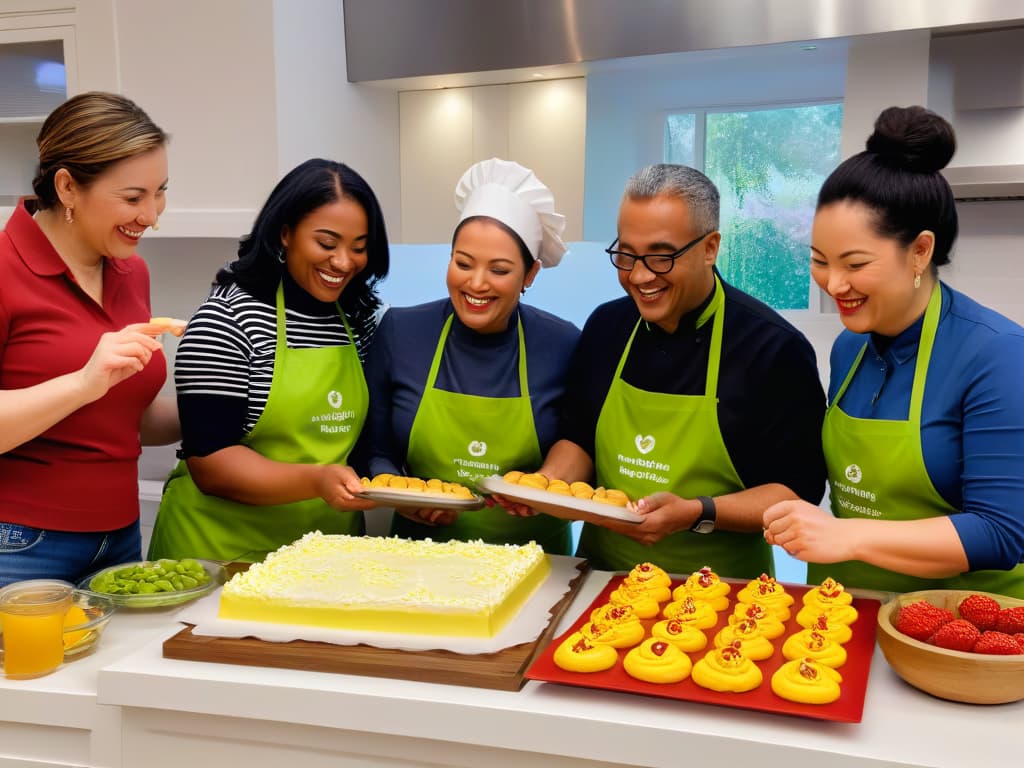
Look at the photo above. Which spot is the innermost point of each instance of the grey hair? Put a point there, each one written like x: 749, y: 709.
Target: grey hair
x: 688, y: 184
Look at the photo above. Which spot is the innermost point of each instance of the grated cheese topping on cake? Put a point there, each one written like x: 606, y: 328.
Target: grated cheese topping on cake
x: 388, y: 585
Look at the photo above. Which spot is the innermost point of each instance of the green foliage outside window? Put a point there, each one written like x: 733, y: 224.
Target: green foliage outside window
x: 768, y: 165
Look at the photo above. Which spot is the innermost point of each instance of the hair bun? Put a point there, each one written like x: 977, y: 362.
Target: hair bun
x: 913, y: 138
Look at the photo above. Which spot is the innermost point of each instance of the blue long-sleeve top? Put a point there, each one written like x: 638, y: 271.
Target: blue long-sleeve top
x: 972, y: 419
x: 472, y: 364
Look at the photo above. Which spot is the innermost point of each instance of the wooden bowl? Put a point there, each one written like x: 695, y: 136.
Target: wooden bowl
x: 974, y: 678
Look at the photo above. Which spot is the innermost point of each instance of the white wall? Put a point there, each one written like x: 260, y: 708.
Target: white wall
x: 626, y: 107
x: 541, y: 125
x: 321, y: 114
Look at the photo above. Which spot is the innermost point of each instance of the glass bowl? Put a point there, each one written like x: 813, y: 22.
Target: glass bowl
x: 82, y: 635
x: 160, y: 599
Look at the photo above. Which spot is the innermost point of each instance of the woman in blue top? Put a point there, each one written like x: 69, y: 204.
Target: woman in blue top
x: 924, y: 436
x: 470, y: 386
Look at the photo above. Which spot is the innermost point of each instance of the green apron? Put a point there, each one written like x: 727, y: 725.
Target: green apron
x: 463, y: 438
x: 876, y: 470
x: 652, y: 441
x: 314, y: 413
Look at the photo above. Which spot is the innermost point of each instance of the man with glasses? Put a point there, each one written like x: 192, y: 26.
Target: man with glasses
x: 688, y: 394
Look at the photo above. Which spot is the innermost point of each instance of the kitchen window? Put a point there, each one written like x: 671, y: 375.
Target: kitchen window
x: 768, y: 164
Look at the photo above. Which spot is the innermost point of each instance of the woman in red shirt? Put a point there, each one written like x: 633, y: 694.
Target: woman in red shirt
x: 80, y: 366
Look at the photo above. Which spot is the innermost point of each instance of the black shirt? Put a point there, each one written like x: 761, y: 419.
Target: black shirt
x: 770, y: 399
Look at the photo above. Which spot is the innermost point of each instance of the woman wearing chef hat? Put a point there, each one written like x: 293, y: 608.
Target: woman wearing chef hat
x: 470, y: 385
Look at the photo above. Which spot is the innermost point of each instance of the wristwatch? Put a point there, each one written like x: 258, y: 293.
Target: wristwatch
x: 708, y: 514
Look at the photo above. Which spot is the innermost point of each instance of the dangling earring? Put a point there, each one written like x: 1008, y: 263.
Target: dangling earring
x: 917, y: 281
x: 156, y: 225
x: 69, y: 215
x: 280, y: 255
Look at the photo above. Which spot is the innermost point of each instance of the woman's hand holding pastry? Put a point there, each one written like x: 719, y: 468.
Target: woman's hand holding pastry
x: 807, y: 532
x: 338, y: 485
x: 117, y: 356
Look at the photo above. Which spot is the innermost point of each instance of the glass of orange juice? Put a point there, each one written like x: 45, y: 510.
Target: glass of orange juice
x: 32, y: 614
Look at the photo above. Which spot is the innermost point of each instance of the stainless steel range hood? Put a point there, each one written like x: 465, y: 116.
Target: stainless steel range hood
x: 986, y: 182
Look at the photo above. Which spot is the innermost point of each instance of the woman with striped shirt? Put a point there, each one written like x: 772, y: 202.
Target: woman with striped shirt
x: 269, y: 376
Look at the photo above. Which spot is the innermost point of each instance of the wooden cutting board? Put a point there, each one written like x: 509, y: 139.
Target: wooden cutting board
x: 504, y: 670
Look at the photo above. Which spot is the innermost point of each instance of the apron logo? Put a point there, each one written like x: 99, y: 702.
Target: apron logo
x: 334, y: 398
x: 853, y: 473
x: 644, y: 443
x: 477, y: 448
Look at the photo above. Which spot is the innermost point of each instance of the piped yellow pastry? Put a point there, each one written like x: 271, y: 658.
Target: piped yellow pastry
x: 727, y: 669
x: 811, y: 644
x: 707, y: 586
x: 689, y: 611
x: 656, y: 661
x: 828, y: 594
x: 767, y: 591
x: 747, y: 633
x: 769, y: 623
x: 659, y: 593
x: 645, y: 603
x: 807, y: 681
x: 835, y: 614
x: 625, y: 634
x: 578, y: 654
x: 685, y: 637
x: 609, y: 613
x: 840, y: 633
x: 648, y: 575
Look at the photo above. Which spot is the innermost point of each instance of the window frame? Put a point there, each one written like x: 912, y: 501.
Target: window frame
x: 818, y: 302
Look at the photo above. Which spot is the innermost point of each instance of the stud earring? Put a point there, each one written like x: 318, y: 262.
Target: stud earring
x: 156, y: 225
x: 917, y: 281
x: 69, y: 215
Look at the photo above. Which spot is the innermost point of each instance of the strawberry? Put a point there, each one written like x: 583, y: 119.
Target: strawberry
x: 981, y: 610
x: 1019, y: 637
x: 956, y: 635
x: 921, y: 619
x: 1011, y: 620
x: 998, y: 643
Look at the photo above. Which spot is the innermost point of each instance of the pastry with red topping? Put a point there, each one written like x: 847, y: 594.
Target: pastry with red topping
x: 656, y: 661
x: 694, y: 612
x: 578, y: 654
x: 748, y: 634
x: 769, y: 623
x: 685, y: 637
x: 624, y: 634
x: 727, y: 669
x: 769, y: 593
x: 807, y: 681
x: 811, y: 644
x: 707, y: 586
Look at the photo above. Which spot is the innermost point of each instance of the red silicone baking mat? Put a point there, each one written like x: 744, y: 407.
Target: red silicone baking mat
x: 848, y: 708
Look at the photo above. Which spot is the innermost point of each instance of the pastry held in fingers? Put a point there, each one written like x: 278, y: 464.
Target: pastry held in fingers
x: 169, y: 325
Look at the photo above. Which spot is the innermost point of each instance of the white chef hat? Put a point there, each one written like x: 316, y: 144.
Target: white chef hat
x: 513, y: 195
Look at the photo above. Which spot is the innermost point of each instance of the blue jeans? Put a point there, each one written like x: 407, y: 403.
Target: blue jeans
x: 36, y: 553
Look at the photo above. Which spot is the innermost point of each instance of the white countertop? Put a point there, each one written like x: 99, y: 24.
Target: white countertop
x: 901, y: 726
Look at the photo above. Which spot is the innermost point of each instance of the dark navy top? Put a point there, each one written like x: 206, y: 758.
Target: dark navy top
x: 770, y: 399
x: 472, y: 364
x: 972, y: 419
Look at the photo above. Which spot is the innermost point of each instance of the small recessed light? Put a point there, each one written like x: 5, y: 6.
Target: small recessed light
x: 538, y: 74
x: 808, y: 47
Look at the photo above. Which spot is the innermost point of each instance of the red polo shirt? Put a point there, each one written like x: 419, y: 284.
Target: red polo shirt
x: 82, y: 473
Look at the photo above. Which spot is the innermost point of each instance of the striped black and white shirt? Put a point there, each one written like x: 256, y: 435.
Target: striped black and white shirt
x: 225, y: 361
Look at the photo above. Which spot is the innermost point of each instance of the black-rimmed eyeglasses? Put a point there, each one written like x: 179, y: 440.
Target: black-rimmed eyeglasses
x: 658, y: 263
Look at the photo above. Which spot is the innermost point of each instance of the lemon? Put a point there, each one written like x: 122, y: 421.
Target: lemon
x: 73, y: 618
